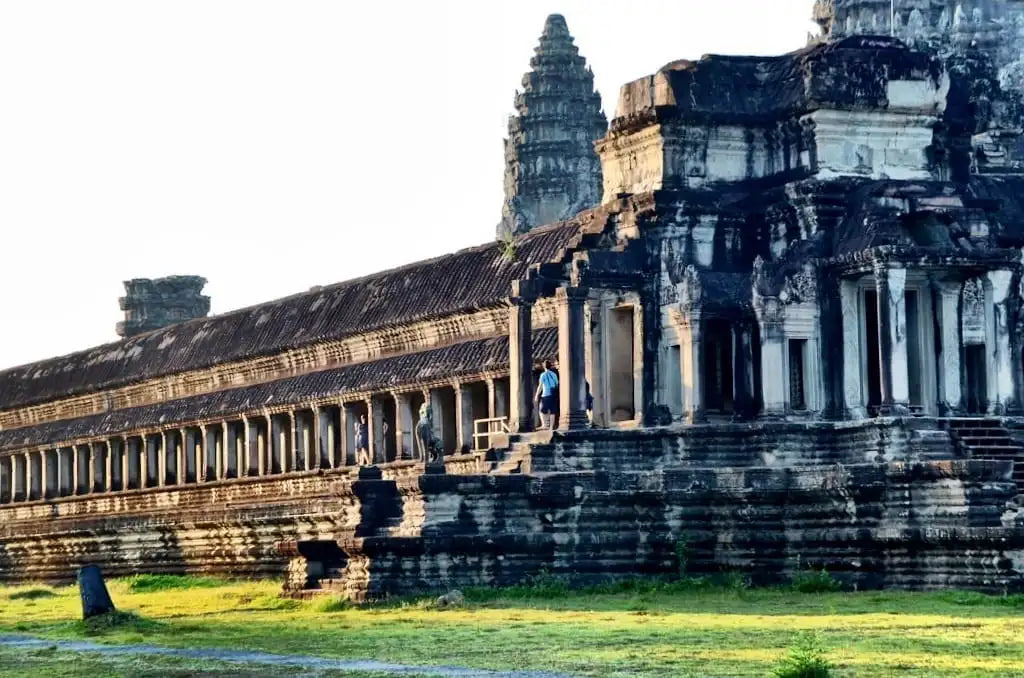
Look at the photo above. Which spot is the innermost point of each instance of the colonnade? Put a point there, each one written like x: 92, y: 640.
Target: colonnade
x: 256, y: 444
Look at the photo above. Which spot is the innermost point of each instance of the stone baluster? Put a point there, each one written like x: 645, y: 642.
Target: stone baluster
x: 520, y: 353
x: 572, y: 357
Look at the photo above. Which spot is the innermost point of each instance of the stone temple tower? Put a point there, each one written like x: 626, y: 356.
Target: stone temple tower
x: 151, y: 304
x: 981, y: 38
x: 551, y: 169
x: 995, y: 27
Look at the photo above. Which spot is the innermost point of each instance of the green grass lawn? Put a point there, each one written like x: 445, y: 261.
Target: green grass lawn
x: 665, y: 631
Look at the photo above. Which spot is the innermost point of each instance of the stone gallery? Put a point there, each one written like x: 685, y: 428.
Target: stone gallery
x: 782, y: 296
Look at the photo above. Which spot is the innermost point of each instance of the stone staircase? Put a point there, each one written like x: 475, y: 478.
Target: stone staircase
x: 515, y: 453
x: 983, y: 438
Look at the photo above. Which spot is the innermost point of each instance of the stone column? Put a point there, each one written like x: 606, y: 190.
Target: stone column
x: 520, y: 355
x: 108, y: 467
x: 5, y: 480
x: 463, y: 417
x: 946, y: 296
x: 308, y: 441
x: 34, y: 469
x: 95, y: 468
x: 774, y: 379
x: 262, y: 446
x: 227, y: 449
x: 404, y: 426
x: 161, y: 460
x: 1002, y: 390
x: 593, y: 340
x: 853, y: 389
x: 890, y: 284
x: 375, y: 419
x: 314, y: 454
x: 206, y: 465
x: 143, y: 461
x: 123, y: 459
x: 572, y: 365
x: 347, y: 437
x: 298, y: 455
x: 691, y: 351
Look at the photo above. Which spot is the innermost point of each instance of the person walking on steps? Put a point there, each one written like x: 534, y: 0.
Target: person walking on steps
x: 362, y: 442
x: 547, y: 394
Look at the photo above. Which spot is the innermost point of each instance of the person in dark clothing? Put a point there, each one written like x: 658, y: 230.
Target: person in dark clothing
x: 363, y: 442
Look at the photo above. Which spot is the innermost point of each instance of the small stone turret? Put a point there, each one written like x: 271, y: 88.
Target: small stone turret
x: 551, y: 169
x: 152, y: 304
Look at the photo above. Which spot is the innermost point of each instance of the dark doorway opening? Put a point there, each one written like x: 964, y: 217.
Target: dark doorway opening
x: 873, y: 352
x: 718, y: 367
x: 977, y: 387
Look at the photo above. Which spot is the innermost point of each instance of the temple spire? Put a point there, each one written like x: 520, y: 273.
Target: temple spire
x: 551, y: 169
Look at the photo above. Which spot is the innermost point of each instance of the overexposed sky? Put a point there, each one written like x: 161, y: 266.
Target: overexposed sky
x: 274, y: 146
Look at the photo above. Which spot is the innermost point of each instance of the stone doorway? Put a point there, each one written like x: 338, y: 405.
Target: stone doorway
x: 974, y: 371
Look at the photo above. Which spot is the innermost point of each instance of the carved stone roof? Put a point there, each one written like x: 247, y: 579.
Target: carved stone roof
x: 450, y: 362
x: 467, y: 280
x: 551, y: 169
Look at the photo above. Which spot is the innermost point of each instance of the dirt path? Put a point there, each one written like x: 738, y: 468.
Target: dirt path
x: 265, y: 658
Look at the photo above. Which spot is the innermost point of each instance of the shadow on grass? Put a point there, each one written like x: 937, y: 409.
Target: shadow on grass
x: 118, y: 622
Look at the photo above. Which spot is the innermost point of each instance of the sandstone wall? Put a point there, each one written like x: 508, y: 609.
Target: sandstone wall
x: 621, y: 506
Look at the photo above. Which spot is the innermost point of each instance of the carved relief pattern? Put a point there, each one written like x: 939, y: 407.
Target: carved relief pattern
x: 974, y: 311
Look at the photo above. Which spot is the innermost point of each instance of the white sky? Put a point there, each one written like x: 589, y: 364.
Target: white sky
x: 273, y: 146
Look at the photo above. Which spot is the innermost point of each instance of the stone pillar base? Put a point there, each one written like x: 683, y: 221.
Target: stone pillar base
x: 894, y: 410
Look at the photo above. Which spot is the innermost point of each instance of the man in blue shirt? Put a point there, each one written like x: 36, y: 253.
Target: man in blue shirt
x: 547, y: 394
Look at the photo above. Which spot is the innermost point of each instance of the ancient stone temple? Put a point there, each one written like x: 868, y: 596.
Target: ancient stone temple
x: 551, y: 169
x: 789, y: 336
